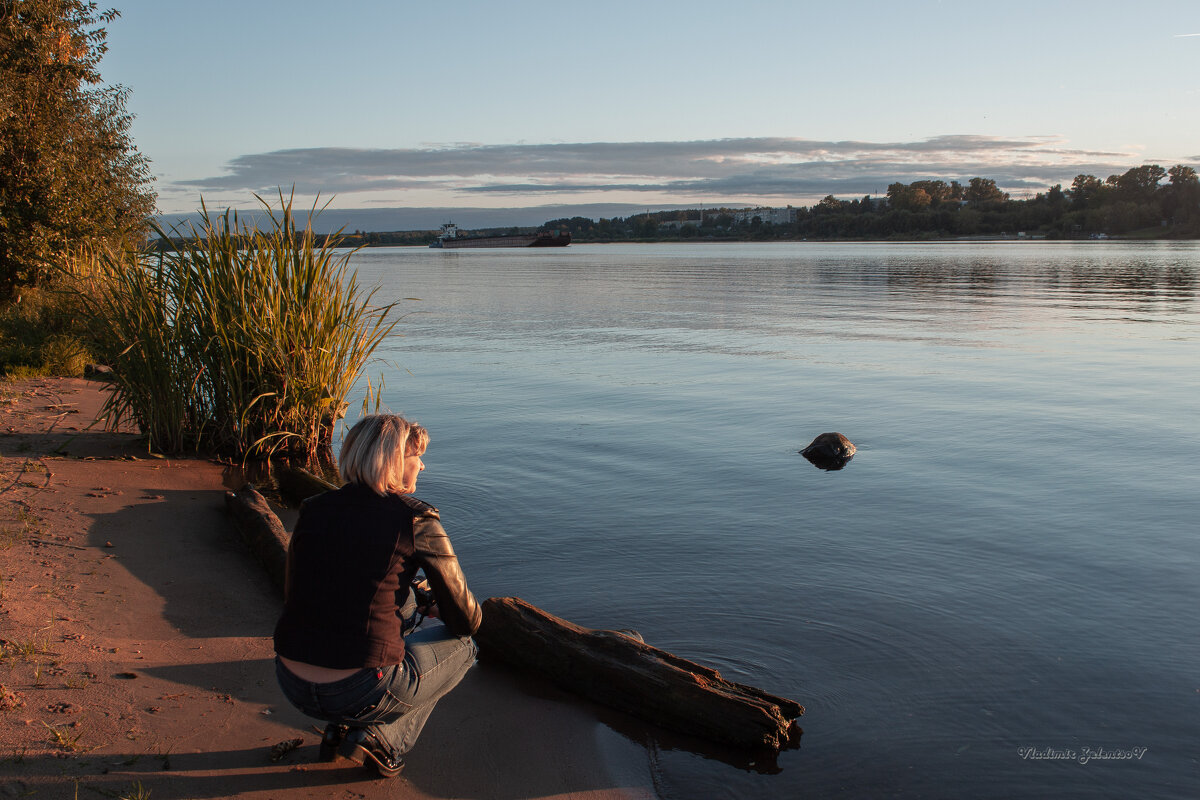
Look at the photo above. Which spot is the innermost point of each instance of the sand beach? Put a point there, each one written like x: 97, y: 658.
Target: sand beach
x: 137, y: 657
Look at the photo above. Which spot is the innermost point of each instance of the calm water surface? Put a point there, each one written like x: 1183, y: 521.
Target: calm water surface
x: 1008, y: 565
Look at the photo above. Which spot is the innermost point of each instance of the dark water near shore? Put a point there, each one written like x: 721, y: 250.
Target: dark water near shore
x: 1010, y: 563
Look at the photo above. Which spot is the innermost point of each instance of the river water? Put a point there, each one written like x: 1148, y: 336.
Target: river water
x: 997, y: 597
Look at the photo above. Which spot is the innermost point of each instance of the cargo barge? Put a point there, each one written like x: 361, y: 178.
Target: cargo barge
x: 449, y: 239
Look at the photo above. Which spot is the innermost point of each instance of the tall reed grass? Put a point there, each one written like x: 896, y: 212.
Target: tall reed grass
x: 244, y: 340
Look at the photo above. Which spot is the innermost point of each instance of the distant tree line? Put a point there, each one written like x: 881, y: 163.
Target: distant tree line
x: 1134, y: 203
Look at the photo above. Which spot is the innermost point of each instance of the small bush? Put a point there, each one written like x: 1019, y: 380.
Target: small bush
x: 65, y: 354
x: 44, y: 331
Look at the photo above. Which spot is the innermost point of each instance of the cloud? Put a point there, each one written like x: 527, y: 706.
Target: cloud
x: 715, y: 168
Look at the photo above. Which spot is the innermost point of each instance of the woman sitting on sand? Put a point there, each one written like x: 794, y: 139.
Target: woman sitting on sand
x: 342, y: 652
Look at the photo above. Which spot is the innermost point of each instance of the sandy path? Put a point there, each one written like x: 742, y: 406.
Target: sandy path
x: 136, y: 646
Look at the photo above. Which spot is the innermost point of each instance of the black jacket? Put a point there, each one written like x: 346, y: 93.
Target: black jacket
x: 351, y: 562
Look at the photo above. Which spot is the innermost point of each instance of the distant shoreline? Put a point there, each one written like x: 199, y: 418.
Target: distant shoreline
x: 915, y: 240
x: 421, y: 239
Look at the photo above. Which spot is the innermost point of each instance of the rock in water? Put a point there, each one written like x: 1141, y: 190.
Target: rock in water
x: 829, y: 451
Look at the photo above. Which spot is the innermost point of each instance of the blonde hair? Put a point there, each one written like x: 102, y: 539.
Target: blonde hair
x: 374, y: 449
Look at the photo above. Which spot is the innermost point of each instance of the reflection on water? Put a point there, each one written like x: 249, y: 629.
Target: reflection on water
x: 1087, y: 278
x: 1008, y: 562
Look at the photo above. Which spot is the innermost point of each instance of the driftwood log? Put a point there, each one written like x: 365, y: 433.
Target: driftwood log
x: 608, y: 667
x: 261, y: 530
x: 620, y: 671
x: 297, y: 485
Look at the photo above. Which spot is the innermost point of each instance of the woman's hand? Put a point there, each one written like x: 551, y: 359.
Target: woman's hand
x: 426, y: 604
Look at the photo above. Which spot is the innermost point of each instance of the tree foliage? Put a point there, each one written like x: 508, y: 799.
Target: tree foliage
x: 70, y: 175
x: 983, y: 190
x: 908, y: 196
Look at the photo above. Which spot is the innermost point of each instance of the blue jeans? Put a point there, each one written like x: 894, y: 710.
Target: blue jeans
x: 394, y: 702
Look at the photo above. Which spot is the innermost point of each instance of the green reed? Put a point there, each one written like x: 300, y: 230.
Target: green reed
x: 245, y: 339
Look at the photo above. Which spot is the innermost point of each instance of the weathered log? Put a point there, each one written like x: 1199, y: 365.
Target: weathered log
x: 297, y: 484
x: 620, y: 671
x: 261, y: 530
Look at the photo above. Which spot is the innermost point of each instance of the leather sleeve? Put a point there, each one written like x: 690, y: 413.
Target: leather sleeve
x: 457, y: 607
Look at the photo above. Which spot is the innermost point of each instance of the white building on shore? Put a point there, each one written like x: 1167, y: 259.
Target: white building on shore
x: 772, y: 216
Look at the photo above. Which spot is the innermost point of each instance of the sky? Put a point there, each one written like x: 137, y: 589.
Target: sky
x: 391, y: 103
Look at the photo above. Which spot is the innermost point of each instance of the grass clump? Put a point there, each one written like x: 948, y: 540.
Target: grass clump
x: 9, y: 537
x: 242, y: 340
x: 64, y: 739
x: 43, y: 331
x: 136, y: 792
